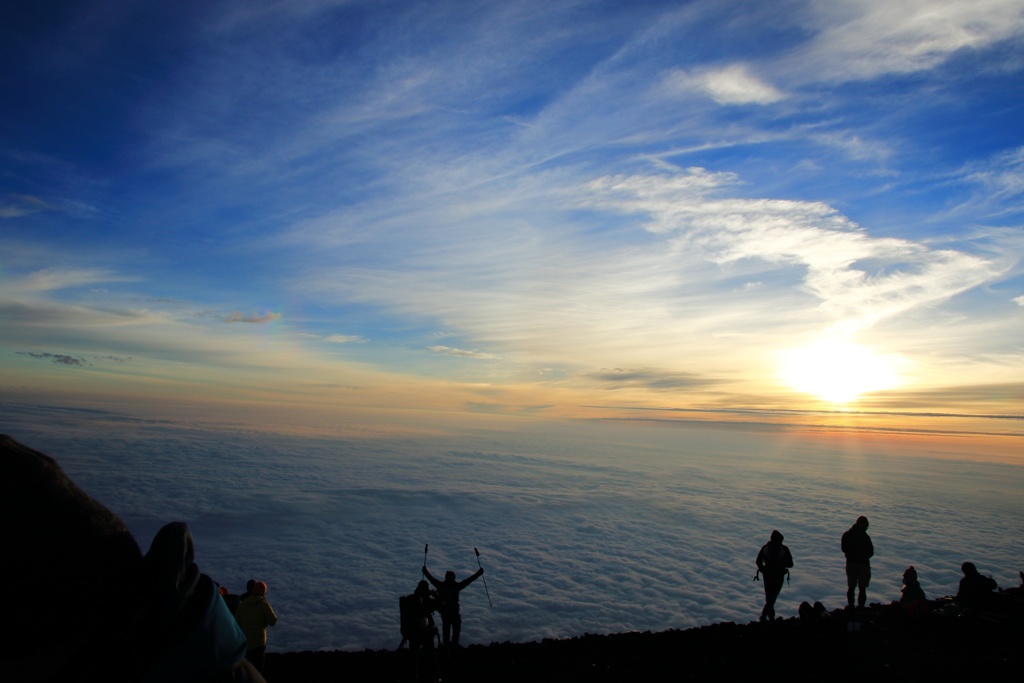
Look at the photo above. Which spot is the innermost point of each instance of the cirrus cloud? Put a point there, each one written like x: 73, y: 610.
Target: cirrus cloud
x: 463, y: 353
x: 730, y: 85
x: 857, y: 277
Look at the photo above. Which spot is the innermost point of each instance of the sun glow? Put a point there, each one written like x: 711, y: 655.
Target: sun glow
x: 837, y: 370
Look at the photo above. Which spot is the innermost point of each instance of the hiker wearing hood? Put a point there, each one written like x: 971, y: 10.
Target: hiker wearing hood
x: 448, y: 591
x: 857, y: 547
x: 254, y: 615
x: 773, y: 562
x: 135, y: 617
x: 912, y: 597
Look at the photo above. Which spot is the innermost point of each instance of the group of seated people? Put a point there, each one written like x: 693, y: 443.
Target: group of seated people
x: 975, y: 591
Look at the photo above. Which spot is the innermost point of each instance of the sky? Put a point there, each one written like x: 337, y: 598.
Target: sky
x: 608, y: 290
x: 336, y: 213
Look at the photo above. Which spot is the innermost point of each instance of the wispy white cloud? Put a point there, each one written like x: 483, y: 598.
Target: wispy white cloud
x: 16, y: 206
x: 26, y: 316
x: 854, y: 146
x: 866, y: 39
x: 50, y: 279
x: 464, y: 353
x: 343, y: 338
x: 1002, y: 176
x: 335, y: 338
x: 729, y: 85
x: 859, y: 279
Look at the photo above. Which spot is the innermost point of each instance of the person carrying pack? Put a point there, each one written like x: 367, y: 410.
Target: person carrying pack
x: 416, y: 612
x: 773, y: 561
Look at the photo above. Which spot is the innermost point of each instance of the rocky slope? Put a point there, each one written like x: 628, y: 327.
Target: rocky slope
x: 881, y: 643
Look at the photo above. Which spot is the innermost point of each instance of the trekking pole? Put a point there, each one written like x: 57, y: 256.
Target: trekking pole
x: 484, y: 578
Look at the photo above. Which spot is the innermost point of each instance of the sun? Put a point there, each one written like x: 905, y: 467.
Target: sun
x: 837, y: 370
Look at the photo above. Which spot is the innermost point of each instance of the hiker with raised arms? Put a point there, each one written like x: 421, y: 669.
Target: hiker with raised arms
x: 448, y: 591
x: 773, y: 562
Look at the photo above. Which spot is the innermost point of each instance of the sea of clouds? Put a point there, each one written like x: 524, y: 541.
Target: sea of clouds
x: 581, y: 527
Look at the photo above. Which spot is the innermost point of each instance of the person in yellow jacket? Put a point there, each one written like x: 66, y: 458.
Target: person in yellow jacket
x: 254, y: 615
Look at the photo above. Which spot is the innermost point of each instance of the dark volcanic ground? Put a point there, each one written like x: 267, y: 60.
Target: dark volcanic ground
x: 880, y: 643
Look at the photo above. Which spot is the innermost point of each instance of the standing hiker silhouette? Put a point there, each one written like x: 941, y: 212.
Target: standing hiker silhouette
x: 857, y: 547
x: 773, y: 563
x: 448, y: 592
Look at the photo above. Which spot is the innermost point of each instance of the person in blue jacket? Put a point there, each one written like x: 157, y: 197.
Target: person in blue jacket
x: 152, y: 618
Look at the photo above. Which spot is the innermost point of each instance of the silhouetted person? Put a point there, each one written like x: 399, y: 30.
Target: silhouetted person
x: 912, y: 596
x: 230, y: 599
x: 857, y: 547
x: 420, y: 630
x: 448, y: 592
x: 81, y: 601
x: 773, y: 563
x: 812, y: 617
x: 426, y: 603
x: 254, y: 615
x: 233, y: 601
x: 975, y: 589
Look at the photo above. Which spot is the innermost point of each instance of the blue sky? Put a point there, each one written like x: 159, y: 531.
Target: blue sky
x: 530, y: 208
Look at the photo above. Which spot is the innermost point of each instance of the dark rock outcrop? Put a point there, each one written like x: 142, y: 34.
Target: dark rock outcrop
x: 880, y: 643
